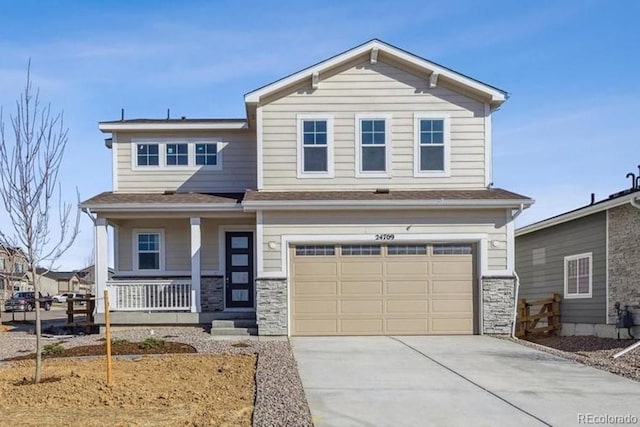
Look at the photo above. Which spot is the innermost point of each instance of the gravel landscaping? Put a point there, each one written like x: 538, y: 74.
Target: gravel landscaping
x: 593, y: 351
x: 279, y: 400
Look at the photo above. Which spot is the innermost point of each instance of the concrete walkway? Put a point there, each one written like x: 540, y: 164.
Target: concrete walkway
x: 453, y: 381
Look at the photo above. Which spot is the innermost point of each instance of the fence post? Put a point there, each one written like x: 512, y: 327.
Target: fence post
x: 557, y: 326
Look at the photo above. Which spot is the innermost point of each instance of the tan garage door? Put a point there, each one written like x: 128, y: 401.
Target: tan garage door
x: 382, y: 289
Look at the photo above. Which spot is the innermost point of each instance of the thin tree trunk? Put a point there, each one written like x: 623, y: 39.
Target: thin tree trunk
x: 36, y: 292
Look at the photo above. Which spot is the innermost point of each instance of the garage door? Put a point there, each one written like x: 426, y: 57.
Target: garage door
x: 392, y: 289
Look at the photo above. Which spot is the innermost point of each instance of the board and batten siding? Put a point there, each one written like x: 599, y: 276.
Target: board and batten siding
x: 401, y: 223
x: 373, y: 88
x: 238, y: 165
x: 177, y: 244
x: 544, y: 276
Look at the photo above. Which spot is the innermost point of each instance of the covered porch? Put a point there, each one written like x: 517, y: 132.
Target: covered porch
x: 174, y: 262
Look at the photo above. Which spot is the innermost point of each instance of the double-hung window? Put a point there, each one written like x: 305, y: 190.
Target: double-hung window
x: 431, y: 154
x: 374, y: 141
x: 207, y: 154
x: 177, y: 154
x: 578, y: 274
x: 315, y: 146
x: 148, y: 250
x: 147, y: 155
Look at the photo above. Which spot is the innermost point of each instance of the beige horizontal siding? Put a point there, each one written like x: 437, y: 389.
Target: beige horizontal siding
x: 238, y: 165
x: 177, y: 242
x: 401, y: 223
x: 366, y: 88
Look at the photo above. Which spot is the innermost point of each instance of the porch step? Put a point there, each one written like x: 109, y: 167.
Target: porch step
x: 233, y: 323
x: 234, y: 331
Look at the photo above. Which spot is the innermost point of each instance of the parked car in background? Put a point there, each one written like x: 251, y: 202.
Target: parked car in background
x: 26, y: 301
x: 68, y: 296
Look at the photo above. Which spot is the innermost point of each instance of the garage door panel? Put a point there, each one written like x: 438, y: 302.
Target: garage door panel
x: 452, y: 305
x: 304, y: 288
x: 371, y: 326
x: 361, y: 268
x: 316, y: 326
x: 420, y: 287
x: 418, y: 268
x: 451, y: 286
x: 451, y: 326
x: 407, y: 326
x: 353, y: 287
x: 315, y: 307
x: 361, y: 307
x: 407, y: 306
x: 384, y: 294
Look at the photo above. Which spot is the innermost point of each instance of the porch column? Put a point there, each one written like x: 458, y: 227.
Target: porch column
x: 196, y: 241
x: 101, y: 262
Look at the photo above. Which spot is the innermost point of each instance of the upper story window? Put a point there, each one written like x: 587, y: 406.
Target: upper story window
x: 148, y: 250
x: 374, y: 142
x: 578, y: 276
x: 431, y: 133
x: 2, y: 266
x: 148, y: 155
x: 177, y: 154
x: 19, y: 267
x: 207, y: 154
x: 315, y: 146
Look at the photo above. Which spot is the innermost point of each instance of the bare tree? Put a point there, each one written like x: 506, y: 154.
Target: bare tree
x: 30, y: 160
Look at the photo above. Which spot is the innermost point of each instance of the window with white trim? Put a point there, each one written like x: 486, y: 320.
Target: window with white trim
x: 315, y: 146
x: 147, y: 155
x: 2, y: 266
x: 148, y: 250
x: 578, y: 273
x: 432, y: 145
x: 19, y: 267
x: 177, y: 154
x: 373, y: 145
x: 207, y: 154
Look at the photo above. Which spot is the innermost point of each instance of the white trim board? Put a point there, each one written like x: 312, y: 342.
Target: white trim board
x: 174, y: 125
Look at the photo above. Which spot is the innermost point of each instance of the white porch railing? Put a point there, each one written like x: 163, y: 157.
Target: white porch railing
x: 151, y: 295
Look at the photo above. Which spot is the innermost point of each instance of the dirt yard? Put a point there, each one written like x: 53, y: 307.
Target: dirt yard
x: 175, y: 390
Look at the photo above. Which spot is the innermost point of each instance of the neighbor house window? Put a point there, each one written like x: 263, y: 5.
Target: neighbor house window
x: 148, y: 250
x: 148, y: 155
x: 19, y: 267
x: 2, y: 266
x: 315, y: 146
x: 578, y: 274
x: 177, y: 154
x: 373, y: 147
x: 207, y: 154
x: 431, y: 145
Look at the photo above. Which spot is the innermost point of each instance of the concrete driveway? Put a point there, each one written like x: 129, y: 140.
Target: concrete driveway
x: 454, y: 381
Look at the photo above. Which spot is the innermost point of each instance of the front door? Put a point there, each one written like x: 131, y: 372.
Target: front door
x: 239, y: 271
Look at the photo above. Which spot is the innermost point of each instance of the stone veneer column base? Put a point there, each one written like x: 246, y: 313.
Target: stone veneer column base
x: 497, y: 305
x: 211, y: 294
x: 271, y: 307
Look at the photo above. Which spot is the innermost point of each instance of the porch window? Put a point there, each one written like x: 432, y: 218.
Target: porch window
x: 148, y: 245
x: 578, y: 276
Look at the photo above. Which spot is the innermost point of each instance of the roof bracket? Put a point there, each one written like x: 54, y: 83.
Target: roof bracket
x: 374, y: 55
x: 433, y: 80
x: 315, y: 77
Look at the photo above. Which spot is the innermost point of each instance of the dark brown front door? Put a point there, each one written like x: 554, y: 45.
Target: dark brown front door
x: 239, y: 271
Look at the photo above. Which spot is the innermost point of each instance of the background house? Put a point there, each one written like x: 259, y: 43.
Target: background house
x: 12, y: 271
x: 591, y: 256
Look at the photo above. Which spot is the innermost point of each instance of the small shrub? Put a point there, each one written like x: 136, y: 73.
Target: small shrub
x: 151, y: 342
x: 52, y: 349
x: 118, y: 341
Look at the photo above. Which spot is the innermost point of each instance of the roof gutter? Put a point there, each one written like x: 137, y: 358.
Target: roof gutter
x: 117, y: 127
x: 381, y: 204
x: 162, y: 207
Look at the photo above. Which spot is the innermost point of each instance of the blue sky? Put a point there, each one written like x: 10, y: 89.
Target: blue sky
x: 569, y: 128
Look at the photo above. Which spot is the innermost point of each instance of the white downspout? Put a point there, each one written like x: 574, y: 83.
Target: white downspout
x: 517, y: 284
x: 635, y: 203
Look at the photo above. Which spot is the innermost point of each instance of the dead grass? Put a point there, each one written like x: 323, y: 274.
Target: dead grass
x: 175, y: 390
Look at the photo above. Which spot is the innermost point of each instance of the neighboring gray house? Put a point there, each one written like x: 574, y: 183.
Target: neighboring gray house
x: 355, y: 198
x: 591, y: 256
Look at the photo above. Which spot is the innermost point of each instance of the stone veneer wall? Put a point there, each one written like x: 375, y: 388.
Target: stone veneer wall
x: 271, y: 307
x: 497, y: 304
x: 211, y: 294
x: 624, y: 258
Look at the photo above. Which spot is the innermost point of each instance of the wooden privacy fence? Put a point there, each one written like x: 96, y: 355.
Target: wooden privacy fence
x: 539, y: 317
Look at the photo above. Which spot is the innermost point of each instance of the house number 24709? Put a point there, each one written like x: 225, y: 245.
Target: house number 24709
x: 387, y: 236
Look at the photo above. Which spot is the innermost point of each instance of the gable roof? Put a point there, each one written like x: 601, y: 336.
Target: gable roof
x: 617, y: 199
x: 496, y: 96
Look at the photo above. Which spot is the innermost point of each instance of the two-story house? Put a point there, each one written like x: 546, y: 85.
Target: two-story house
x: 355, y: 198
